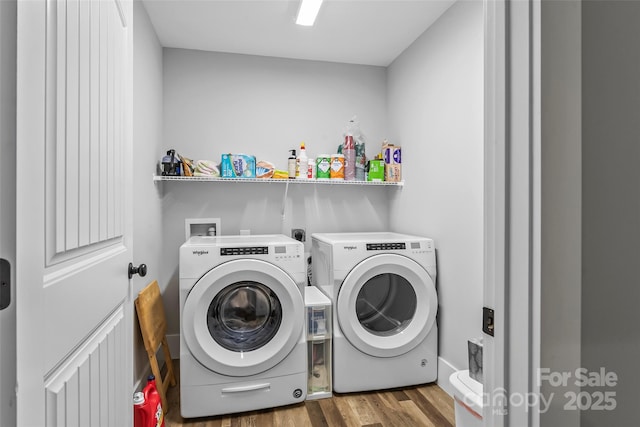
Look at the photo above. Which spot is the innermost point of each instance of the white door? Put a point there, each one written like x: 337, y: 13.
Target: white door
x: 73, y: 227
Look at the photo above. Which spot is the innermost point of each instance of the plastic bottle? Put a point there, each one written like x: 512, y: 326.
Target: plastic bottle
x: 301, y: 163
x: 291, y: 164
x: 151, y: 414
x: 349, y: 151
x: 140, y: 410
x: 311, y: 168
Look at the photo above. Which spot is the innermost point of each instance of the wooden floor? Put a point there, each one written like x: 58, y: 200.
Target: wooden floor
x: 426, y: 405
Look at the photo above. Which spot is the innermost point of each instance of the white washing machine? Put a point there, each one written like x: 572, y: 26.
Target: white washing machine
x: 242, y: 341
x: 382, y: 286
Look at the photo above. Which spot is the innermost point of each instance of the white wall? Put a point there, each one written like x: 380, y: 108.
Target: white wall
x: 147, y: 142
x: 216, y: 103
x: 436, y: 111
x: 7, y: 204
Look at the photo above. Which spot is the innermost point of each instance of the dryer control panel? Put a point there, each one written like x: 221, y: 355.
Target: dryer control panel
x: 386, y: 246
x: 415, y: 247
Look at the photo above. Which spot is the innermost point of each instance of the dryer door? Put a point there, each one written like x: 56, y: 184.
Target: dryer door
x: 243, y: 317
x: 387, y: 305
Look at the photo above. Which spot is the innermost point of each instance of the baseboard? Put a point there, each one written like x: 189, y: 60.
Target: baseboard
x: 141, y: 380
x: 139, y: 384
x: 174, y: 345
x: 445, y: 369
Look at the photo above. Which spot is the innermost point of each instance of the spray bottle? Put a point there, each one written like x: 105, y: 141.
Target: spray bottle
x: 301, y: 163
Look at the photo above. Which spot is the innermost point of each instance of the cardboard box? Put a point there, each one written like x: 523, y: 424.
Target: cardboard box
x: 392, y: 155
x: 392, y: 173
x: 376, y: 170
x: 238, y: 166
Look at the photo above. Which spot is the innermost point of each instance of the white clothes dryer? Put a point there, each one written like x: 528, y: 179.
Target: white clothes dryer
x: 242, y: 341
x: 382, y: 286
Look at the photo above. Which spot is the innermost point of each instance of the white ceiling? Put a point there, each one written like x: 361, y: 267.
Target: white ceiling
x: 369, y: 32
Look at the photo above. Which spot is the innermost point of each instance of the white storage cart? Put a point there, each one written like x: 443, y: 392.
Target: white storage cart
x: 318, y: 320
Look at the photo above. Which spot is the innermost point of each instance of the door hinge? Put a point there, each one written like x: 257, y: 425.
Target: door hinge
x: 5, y: 283
x: 487, y: 321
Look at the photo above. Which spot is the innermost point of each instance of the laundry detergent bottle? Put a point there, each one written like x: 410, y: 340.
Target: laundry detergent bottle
x: 140, y: 412
x: 147, y: 406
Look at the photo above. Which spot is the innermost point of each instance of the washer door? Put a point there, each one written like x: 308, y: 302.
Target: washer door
x: 243, y: 317
x: 387, y: 305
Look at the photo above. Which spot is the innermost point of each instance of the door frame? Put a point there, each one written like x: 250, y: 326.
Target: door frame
x: 494, y: 352
x: 8, y: 23
x: 512, y: 210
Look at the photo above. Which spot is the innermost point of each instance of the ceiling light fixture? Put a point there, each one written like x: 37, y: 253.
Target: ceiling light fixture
x: 308, y: 11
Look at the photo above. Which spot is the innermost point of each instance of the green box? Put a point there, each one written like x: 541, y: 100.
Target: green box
x: 376, y: 170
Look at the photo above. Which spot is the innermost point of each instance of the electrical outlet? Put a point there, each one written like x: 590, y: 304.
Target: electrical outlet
x: 298, y: 234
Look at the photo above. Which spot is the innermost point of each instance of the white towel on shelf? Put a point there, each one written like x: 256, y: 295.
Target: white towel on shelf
x: 206, y: 168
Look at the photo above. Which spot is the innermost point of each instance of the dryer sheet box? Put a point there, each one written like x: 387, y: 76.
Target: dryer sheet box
x: 238, y: 166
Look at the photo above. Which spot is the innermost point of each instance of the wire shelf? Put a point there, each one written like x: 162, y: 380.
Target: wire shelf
x: 157, y: 178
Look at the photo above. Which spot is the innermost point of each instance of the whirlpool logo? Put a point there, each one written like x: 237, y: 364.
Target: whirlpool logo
x: 350, y: 248
x: 200, y: 252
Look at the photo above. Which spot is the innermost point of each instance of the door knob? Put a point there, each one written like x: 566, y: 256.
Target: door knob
x: 141, y: 270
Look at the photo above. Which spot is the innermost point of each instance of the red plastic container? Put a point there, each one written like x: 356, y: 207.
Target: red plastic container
x: 147, y: 406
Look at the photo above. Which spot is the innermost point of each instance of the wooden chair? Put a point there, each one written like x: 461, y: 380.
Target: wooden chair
x: 153, y: 326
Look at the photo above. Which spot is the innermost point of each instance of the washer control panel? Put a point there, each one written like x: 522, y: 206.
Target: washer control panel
x: 423, y: 247
x: 287, y: 253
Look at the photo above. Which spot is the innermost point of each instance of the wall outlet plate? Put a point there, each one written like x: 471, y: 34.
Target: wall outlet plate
x: 299, y: 234
x: 201, y: 227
